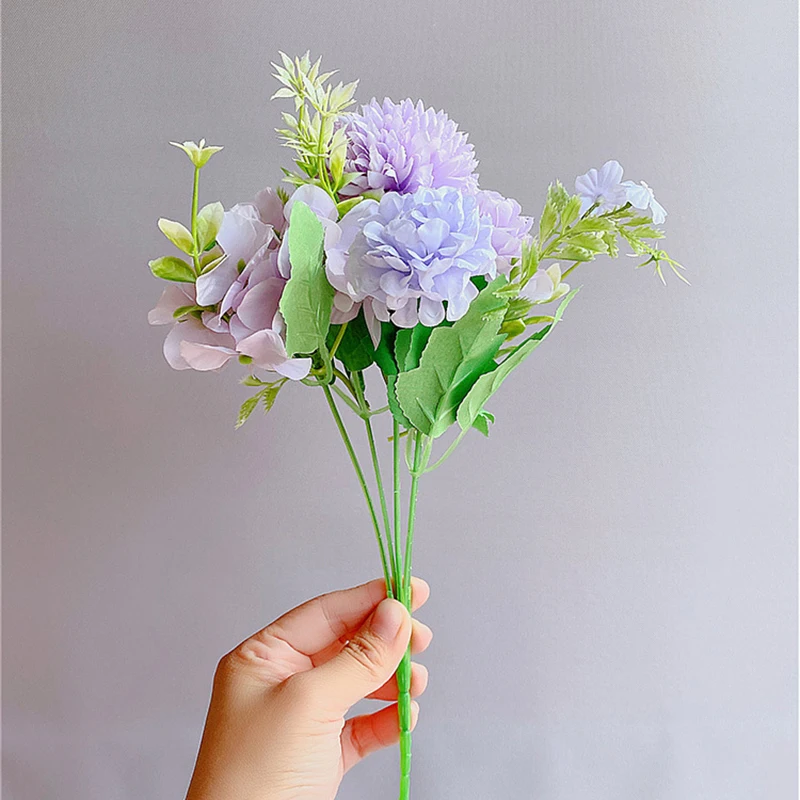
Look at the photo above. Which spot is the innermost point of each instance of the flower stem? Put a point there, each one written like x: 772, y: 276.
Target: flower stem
x: 364, y: 487
x: 195, y: 197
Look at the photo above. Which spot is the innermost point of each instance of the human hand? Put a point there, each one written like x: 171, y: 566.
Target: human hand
x: 275, y: 728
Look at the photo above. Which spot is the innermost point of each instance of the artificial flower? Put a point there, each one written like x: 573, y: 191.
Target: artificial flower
x: 641, y: 196
x: 416, y: 252
x: 401, y: 147
x: 602, y: 187
x: 509, y: 226
x: 545, y: 286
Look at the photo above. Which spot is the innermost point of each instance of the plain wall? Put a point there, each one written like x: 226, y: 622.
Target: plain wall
x: 613, y: 572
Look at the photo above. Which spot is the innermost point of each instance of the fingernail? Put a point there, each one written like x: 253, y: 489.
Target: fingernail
x: 388, y: 619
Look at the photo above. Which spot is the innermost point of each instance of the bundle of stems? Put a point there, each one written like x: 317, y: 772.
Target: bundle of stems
x: 395, y: 544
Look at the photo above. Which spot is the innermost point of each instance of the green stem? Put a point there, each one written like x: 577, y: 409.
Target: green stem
x: 421, y: 455
x: 337, y: 341
x: 195, y: 197
x: 398, y: 513
x: 376, y: 466
x: 567, y: 271
x: 360, y: 475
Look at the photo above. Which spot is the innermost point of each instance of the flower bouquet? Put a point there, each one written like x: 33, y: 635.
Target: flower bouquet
x: 386, y: 253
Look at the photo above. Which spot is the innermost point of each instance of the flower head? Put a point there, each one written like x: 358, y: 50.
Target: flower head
x: 602, y: 187
x: 545, y: 286
x: 509, y: 227
x: 413, y: 253
x: 401, y: 147
x: 641, y: 196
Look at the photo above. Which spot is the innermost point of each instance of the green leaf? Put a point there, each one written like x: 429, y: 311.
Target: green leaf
x: 588, y: 241
x: 209, y: 221
x: 184, y: 310
x: 270, y: 394
x: 482, y: 421
x: 247, y: 409
x: 355, y: 350
x: 394, y: 405
x: 488, y: 384
x: 454, y: 358
x: 593, y: 225
x: 171, y: 268
x: 251, y: 380
x: 348, y: 204
x: 177, y: 234
x: 557, y: 196
x: 570, y: 253
x: 548, y: 222
x: 384, y: 352
x: 409, y: 344
x: 570, y: 212
x: 308, y: 297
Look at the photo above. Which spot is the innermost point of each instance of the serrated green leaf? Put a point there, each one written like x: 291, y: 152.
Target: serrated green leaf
x: 557, y: 196
x: 548, y: 222
x: 588, y: 241
x: 247, y: 409
x: 593, y: 225
x: 209, y: 221
x: 171, y: 268
x: 270, y: 394
x: 394, y: 405
x: 177, y: 234
x: 454, y: 358
x: 570, y: 253
x: 489, y: 383
x: 308, y: 297
x: 648, y: 232
x: 251, y: 380
x: 570, y: 211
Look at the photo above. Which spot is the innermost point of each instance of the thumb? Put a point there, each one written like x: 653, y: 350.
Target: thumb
x: 367, y: 661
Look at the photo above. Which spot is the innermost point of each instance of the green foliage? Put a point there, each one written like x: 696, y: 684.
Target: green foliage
x: 409, y: 344
x: 266, y: 395
x: 454, y: 358
x: 308, y: 297
x: 209, y: 221
x: 319, y: 146
x: 482, y: 421
x: 355, y: 350
x: 177, y: 234
x: 172, y: 268
x: 487, y: 384
x: 384, y: 352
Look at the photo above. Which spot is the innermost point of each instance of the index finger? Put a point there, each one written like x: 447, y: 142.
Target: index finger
x: 318, y: 623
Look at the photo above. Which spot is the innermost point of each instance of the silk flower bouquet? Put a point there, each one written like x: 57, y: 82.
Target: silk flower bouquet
x: 387, y: 254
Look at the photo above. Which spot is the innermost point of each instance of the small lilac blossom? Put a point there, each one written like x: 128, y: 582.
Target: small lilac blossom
x: 509, y: 227
x: 641, y: 196
x: 416, y: 252
x: 242, y: 234
x: 545, y: 286
x: 189, y: 344
x: 401, y: 147
x: 603, y: 187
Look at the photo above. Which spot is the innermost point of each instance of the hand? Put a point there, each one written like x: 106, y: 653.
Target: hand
x: 275, y: 728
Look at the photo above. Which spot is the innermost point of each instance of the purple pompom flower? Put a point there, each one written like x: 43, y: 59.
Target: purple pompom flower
x: 509, y: 227
x: 412, y: 254
x: 401, y: 147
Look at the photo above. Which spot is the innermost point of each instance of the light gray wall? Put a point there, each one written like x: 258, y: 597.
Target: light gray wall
x: 614, y: 572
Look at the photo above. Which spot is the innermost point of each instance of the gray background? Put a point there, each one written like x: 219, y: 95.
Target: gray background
x: 614, y: 572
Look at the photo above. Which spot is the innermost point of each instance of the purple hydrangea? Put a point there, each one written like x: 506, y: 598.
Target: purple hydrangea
x: 411, y: 254
x: 509, y: 227
x: 401, y: 147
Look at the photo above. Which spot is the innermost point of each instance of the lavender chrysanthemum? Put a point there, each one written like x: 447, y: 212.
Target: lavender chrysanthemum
x: 401, y: 147
x: 509, y: 226
x: 415, y: 252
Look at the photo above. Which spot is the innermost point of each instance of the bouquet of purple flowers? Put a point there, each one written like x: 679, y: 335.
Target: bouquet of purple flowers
x: 386, y: 253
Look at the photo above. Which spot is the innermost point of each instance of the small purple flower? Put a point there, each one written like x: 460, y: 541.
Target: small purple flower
x: 401, y: 147
x: 641, y: 196
x: 509, y: 227
x: 603, y: 186
x: 410, y: 254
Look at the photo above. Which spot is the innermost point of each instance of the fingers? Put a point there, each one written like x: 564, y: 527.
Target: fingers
x: 365, y: 663
x: 419, y: 682
x: 370, y: 732
x: 322, y: 622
